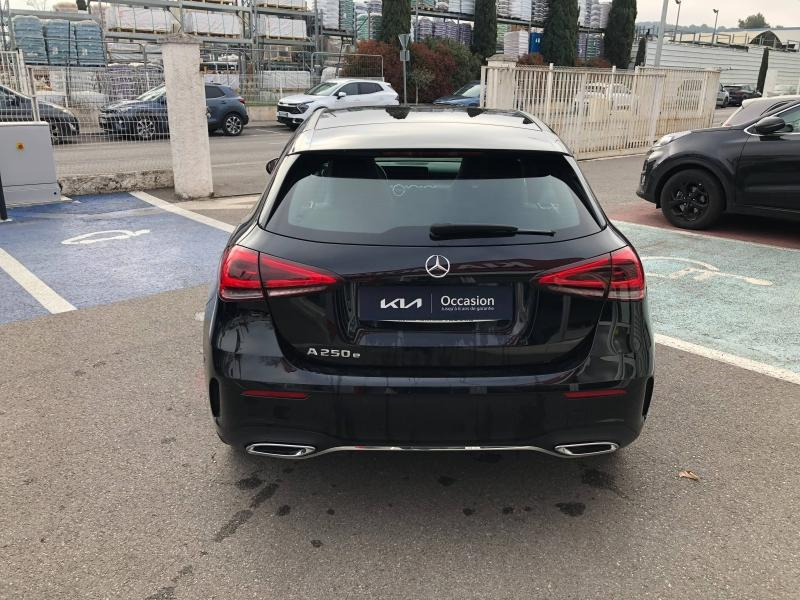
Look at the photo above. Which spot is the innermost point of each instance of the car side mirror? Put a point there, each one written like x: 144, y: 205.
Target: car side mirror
x: 340, y: 95
x: 769, y: 125
x: 271, y: 165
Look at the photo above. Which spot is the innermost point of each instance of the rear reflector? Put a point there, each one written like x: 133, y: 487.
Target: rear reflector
x: 594, y: 393
x: 620, y: 274
x: 246, y: 274
x: 274, y: 394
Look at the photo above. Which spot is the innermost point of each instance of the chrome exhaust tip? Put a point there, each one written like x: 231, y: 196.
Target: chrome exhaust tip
x: 280, y: 450
x: 587, y: 449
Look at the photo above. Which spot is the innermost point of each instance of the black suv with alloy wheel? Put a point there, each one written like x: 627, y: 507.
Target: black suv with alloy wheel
x: 427, y: 279
x: 146, y: 117
x: 750, y: 166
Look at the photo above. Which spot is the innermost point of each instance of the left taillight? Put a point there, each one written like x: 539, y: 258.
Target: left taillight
x: 620, y: 274
x: 246, y: 275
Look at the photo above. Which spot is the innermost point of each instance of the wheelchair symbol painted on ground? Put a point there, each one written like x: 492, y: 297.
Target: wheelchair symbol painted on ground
x: 659, y: 267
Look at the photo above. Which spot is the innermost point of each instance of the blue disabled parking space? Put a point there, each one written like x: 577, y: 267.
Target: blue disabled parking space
x: 104, y: 249
x: 16, y: 304
x: 735, y: 297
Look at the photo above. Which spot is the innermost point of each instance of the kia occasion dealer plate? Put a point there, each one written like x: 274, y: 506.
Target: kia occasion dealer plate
x: 435, y: 303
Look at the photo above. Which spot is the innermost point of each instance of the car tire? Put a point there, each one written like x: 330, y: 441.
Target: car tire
x: 692, y: 199
x: 233, y: 124
x: 57, y: 133
x: 146, y: 128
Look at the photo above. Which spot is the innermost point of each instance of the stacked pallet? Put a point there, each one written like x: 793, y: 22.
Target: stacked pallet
x: 60, y: 42
x: 330, y: 13
x: 515, y: 43
x: 29, y: 38
x: 212, y: 23
x: 143, y: 20
x: 346, y: 15
x: 519, y: 9
x: 287, y: 4
x: 465, y: 34
x: 271, y: 26
x: 540, y: 10
x: 89, y: 41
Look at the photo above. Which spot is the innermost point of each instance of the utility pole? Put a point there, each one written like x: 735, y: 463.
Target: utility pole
x: 661, y: 30
x: 677, y: 19
x: 716, y: 18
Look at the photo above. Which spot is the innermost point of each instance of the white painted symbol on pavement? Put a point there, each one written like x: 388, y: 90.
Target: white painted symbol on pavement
x: 104, y: 236
x: 699, y: 271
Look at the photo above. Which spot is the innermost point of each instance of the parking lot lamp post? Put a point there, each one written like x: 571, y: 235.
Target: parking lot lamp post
x: 662, y: 28
x: 716, y: 18
x: 677, y: 19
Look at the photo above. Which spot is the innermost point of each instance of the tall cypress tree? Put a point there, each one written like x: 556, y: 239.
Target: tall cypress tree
x: 619, y: 33
x: 560, y: 37
x: 484, y: 33
x: 641, y: 52
x: 396, y: 19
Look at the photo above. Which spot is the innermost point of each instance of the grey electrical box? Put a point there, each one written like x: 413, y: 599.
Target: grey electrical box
x: 27, y: 166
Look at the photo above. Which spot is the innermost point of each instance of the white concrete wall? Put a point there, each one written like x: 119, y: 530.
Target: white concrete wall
x: 737, y: 65
x: 188, y: 124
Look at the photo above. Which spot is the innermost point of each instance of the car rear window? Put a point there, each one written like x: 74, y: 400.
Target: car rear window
x: 393, y: 198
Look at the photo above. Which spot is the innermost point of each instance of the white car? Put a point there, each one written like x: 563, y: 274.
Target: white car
x: 336, y: 93
x: 618, y: 95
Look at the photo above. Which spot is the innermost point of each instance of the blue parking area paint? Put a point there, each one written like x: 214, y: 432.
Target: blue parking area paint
x: 103, y: 249
x: 735, y: 297
x: 15, y: 303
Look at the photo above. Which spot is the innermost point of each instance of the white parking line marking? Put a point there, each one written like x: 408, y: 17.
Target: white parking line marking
x: 705, y: 236
x: 731, y: 359
x: 93, y: 237
x: 169, y: 207
x: 37, y: 288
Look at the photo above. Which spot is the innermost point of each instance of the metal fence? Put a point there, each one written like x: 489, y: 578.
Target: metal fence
x: 605, y: 112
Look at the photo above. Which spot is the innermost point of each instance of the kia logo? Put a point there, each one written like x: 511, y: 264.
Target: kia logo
x: 401, y: 303
x: 437, y: 266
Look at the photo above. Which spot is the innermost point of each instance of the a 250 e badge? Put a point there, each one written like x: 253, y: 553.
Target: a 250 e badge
x: 332, y: 353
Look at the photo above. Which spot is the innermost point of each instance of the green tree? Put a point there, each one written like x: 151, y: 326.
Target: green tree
x: 560, y: 37
x: 396, y: 19
x: 762, y: 72
x: 420, y: 78
x: 81, y: 4
x: 641, y: 52
x: 619, y: 33
x: 756, y: 21
x: 484, y: 33
x: 468, y: 65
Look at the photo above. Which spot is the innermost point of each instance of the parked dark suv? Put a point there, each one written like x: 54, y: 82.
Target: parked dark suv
x: 146, y: 116
x: 749, y: 166
x: 427, y: 279
x: 16, y: 107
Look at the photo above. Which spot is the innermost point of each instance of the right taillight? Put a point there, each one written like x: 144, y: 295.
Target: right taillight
x: 247, y: 275
x: 620, y: 274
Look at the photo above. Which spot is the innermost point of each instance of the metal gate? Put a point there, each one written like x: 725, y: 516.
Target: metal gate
x: 604, y: 112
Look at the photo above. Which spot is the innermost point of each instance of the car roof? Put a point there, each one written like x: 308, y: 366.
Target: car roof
x: 428, y: 127
x: 353, y: 80
x: 770, y: 100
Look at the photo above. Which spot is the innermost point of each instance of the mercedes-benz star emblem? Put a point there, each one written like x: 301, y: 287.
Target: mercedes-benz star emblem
x: 437, y: 266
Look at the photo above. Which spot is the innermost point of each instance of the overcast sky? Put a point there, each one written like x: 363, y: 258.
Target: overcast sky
x: 697, y: 12
x: 777, y: 12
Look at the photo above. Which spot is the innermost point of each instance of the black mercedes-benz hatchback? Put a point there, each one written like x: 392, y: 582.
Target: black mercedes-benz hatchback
x: 427, y: 279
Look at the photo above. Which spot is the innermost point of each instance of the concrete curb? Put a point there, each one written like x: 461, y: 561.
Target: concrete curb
x: 104, y: 183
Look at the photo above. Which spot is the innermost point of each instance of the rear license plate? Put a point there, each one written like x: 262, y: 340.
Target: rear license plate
x: 435, y: 304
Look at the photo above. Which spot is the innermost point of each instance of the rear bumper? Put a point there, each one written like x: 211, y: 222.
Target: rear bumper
x: 248, y: 385
x: 412, y: 417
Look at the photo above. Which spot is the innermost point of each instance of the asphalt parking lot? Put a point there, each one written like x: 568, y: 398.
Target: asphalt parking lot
x: 117, y: 487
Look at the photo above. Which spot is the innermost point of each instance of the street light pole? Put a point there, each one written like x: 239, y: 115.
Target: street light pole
x: 661, y: 32
x: 716, y: 17
x: 677, y: 19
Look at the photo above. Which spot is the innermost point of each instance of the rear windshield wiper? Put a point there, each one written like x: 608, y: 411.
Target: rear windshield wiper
x: 443, y: 231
